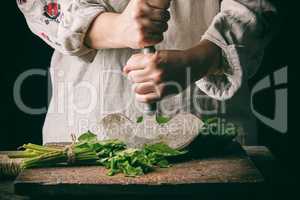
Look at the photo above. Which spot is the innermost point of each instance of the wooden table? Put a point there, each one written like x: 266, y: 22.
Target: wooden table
x: 208, y: 178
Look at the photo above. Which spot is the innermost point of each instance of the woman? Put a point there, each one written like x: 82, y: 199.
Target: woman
x: 206, y: 52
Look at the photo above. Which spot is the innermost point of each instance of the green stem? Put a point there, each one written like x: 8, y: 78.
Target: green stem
x: 40, y: 148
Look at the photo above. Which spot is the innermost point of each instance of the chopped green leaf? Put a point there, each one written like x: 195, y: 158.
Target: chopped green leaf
x: 140, y: 119
x: 159, y: 119
x: 163, y: 150
x: 211, y: 120
x: 163, y: 163
x: 162, y: 119
x: 112, y: 154
x: 87, y: 137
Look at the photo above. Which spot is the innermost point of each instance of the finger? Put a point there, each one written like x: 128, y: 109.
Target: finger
x: 136, y: 62
x: 147, y: 88
x: 139, y: 76
x: 153, y: 26
x: 161, y: 4
x: 158, y: 27
x: 153, y: 39
x: 157, y: 14
x: 147, y: 98
x: 143, y: 88
x: 149, y: 26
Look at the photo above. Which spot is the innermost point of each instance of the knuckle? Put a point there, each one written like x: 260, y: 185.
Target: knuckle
x: 167, y: 15
x: 140, y: 28
x: 147, y: 99
x: 165, y: 27
x: 137, y: 90
x: 137, y: 13
x: 157, y: 77
x: 158, y: 94
x: 155, y: 58
x: 162, y: 89
x: 160, y: 74
x: 160, y: 39
x: 138, y: 9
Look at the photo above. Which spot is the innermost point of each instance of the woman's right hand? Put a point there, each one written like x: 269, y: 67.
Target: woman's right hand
x: 143, y: 23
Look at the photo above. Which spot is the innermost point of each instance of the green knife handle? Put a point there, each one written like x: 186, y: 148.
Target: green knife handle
x: 150, y: 108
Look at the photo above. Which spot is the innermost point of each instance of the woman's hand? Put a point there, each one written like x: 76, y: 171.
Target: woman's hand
x: 141, y: 24
x: 169, y: 72
x: 151, y: 73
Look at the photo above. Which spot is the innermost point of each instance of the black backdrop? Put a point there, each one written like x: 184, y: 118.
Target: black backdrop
x: 21, y: 50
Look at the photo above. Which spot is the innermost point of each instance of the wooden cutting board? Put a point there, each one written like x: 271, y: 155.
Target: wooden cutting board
x: 232, y: 172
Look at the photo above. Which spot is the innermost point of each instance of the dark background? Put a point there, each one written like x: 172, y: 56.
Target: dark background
x: 21, y: 50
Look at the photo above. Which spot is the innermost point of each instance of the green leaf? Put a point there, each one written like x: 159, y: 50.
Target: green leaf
x: 131, y: 171
x: 163, y: 150
x: 163, y: 163
x: 210, y: 120
x: 162, y: 119
x: 88, y: 137
x: 140, y: 119
x: 159, y: 119
x: 112, y: 154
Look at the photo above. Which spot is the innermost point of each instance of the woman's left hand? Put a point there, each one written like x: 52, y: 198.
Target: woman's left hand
x: 170, y: 71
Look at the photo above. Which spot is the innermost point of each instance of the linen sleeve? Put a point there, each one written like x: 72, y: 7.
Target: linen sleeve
x: 62, y: 24
x: 242, y: 29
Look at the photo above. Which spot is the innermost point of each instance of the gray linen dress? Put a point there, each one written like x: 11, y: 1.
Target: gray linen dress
x: 88, y: 84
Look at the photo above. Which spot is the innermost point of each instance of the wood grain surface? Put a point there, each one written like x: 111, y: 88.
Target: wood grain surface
x: 228, y: 172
